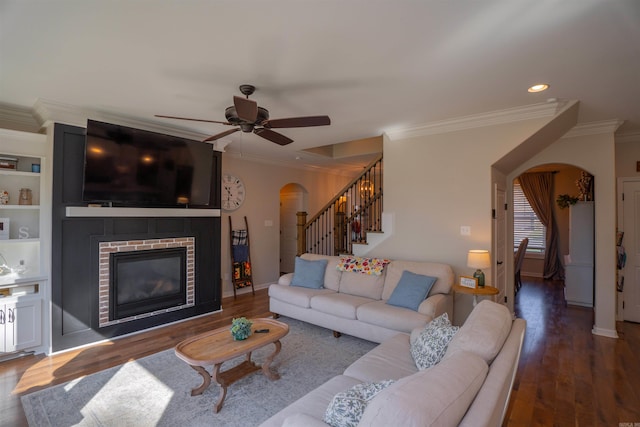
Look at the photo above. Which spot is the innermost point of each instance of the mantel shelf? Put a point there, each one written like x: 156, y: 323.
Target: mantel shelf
x: 102, y: 212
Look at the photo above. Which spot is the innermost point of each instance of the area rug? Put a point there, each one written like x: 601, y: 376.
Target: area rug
x: 156, y: 390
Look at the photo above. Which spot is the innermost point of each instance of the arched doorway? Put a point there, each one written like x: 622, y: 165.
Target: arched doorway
x: 574, y: 218
x: 293, y: 199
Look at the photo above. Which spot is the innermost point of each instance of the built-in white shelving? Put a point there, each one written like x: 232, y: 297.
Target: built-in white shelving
x: 24, y: 276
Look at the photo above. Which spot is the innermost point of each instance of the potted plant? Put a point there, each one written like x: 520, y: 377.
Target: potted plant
x: 565, y: 200
x: 241, y: 328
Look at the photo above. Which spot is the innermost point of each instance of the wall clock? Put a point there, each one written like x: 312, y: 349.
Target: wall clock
x: 233, y: 192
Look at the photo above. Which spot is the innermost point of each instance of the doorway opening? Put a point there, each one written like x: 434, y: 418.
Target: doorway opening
x: 293, y: 199
x: 571, y: 258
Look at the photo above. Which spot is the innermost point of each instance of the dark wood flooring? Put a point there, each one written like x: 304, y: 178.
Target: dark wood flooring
x: 567, y: 376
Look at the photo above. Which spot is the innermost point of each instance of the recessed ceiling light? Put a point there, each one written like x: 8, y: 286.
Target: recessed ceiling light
x: 538, y: 88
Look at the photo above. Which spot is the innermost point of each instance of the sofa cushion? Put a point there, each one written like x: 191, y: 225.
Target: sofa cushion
x: 296, y: 295
x: 313, y: 403
x: 332, y: 274
x: 379, y: 313
x: 391, y: 360
x: 309, y: 274
x: 430, y: 346
x: 346, y: 408
x: 484, y: 331
x: 362, y: 285
x: 354, y: 264
x: 394, y: 271
x: 438, y: 396
x: 411, y: 290
x: 338, y: 304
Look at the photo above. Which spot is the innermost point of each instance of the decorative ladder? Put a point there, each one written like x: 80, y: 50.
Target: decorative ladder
x: 355, y: 211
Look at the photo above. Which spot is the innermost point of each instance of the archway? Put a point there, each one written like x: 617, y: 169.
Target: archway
x: 574, y: 217
x: 293, y: 199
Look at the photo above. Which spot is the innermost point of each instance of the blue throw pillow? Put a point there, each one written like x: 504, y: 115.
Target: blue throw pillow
x: 411, y: 290
x: 309, y: 274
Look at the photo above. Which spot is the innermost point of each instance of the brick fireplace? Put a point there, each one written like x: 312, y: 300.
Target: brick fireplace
x: 147, y: 247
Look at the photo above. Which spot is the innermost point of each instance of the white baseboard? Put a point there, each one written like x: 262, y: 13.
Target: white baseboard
x: 229, y: 293
x: 609, y: 333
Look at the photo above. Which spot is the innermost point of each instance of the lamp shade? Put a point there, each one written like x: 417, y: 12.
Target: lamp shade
x: 478, y: 258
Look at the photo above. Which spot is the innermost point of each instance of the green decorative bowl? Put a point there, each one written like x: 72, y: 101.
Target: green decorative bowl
x: 241, y: 328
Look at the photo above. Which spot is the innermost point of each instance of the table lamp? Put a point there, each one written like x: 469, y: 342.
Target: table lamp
x: 479, y: 259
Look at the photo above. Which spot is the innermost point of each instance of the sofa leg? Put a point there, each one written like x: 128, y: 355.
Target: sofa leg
x: 275, y: 315
x: 337, y: 334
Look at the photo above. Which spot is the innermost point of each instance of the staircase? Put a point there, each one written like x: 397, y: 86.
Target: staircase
x: 348, y: 219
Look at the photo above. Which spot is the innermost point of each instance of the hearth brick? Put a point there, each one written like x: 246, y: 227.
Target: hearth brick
x: 105, y: 248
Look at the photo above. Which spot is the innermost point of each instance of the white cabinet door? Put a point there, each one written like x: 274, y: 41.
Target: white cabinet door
x: 22, y: 327
x: 3, y: 328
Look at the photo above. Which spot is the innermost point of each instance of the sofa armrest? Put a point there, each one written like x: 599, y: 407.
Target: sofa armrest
x: 435, y: 305
x: 285, y: 279
x: 300, y: 419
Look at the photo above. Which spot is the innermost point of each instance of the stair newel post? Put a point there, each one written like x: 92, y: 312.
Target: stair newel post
x: 302, y: 235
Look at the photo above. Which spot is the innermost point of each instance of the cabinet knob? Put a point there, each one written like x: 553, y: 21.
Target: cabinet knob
x: 499, y: 262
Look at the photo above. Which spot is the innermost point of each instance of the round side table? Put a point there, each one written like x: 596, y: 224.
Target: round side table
x: 486, y: 291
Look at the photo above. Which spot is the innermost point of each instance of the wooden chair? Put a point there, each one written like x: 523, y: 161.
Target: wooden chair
x: 519, y: 258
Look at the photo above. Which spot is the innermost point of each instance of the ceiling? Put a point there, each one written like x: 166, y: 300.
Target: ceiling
x: 372, y: 66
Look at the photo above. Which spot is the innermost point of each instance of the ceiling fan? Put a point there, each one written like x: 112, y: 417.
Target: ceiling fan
x: 248, y: 117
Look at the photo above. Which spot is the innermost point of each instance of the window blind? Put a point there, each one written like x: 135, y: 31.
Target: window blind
x: 526, y: 223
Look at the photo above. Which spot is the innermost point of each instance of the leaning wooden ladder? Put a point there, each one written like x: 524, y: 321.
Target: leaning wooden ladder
x: 240, y: 257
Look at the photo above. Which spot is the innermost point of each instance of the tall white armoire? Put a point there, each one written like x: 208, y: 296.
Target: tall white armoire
x: 578, y: 282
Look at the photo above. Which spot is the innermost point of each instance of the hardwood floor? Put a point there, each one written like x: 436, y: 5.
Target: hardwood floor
x: 567, y: 376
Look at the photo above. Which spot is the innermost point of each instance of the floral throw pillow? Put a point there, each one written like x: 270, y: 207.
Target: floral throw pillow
x: 346, y: 408
x: 430, y: 345
x: 356, y: 264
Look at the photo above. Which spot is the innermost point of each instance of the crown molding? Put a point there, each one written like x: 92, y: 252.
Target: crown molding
x: 594, y: 128
x: 48, y: 111
x: 18, y: 118
x: 535, y: 111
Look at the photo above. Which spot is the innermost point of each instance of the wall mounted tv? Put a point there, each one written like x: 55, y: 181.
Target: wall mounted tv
x: 132, y: 167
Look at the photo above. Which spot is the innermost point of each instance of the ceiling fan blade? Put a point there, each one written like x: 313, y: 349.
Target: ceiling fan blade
x: 272, y: 136
x: 221, y: 135
x: 247, y: 109
x: 298, y: 122
x: 193, y: 120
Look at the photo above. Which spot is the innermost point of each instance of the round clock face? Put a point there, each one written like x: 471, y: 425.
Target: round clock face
x: 232, y: 192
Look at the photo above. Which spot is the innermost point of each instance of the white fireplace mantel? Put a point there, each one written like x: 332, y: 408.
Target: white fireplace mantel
x: 103, y: 212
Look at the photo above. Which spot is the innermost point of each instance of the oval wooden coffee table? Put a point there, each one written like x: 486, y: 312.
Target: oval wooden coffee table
x: 218, y: 346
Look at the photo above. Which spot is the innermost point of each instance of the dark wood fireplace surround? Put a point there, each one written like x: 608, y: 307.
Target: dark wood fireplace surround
x: 75, y: 253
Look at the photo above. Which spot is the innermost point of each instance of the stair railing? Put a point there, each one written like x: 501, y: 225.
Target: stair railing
x: 346, y: 219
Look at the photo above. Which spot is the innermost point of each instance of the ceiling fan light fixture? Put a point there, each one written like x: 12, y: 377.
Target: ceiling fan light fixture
x: 249, y: 117
x: 538, y: 88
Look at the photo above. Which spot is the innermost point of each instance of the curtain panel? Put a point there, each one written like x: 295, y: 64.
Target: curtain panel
x: 538, y: 189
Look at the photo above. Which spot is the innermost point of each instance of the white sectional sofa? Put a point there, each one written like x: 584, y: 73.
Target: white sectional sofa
x: 470, y: 386
x: 356, y: 304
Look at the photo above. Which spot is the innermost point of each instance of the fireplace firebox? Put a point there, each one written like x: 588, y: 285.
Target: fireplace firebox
x: 146, y: 281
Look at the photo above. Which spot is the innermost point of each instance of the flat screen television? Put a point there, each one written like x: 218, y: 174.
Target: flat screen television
x: 132, y: 167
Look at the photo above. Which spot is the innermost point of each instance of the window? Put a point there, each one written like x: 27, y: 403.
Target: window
x: 526, y: 223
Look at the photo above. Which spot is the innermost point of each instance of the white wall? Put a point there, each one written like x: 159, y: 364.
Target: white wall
x: 627, y: 156
x: 262, y: 203
x: 435, y: 183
